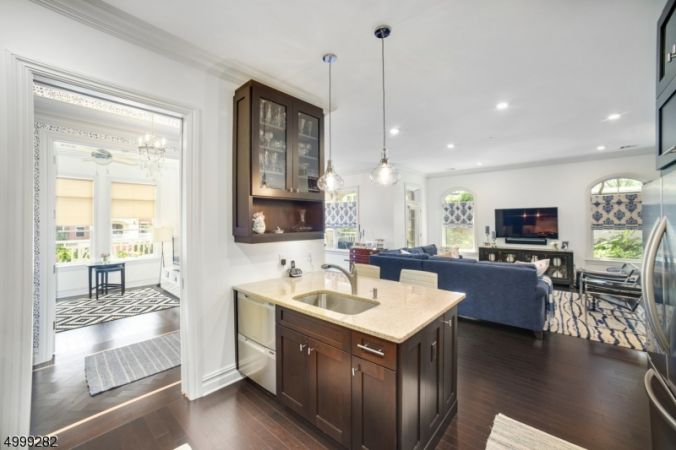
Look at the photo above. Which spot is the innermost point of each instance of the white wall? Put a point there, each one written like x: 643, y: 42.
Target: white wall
x: 39, y: 34
x: 382, y: 208
x: 564, y: 185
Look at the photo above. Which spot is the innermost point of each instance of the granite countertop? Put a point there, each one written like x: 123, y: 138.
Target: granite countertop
x: 403, y: 309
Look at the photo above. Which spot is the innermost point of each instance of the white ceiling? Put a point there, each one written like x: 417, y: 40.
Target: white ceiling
x: 562, y: 65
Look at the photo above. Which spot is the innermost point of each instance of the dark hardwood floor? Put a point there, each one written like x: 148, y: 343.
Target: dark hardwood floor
x: 60, y: 395
x: 585, y: 392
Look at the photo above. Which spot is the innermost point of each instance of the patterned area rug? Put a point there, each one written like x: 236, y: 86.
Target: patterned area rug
x: 608, y: 324
x: 85, y: 311
x: 510, y: 434
x: 119, y: 366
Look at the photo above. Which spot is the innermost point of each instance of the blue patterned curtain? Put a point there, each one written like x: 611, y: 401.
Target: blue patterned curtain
x: 616, y: 211
x: 341, y: 215
x: 460, y: 214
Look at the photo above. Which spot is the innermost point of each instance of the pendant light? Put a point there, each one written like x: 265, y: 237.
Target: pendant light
x: 330, y: 181
x: 385, y: 173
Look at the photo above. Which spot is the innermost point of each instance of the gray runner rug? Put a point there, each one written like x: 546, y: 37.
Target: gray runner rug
x: 509, y: 434
x: 119, y: 366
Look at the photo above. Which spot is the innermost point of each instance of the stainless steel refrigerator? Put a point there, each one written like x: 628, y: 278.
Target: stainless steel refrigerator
x: 659, y: 293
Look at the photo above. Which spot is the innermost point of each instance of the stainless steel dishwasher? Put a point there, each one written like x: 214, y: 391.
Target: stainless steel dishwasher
x: 256, y: 341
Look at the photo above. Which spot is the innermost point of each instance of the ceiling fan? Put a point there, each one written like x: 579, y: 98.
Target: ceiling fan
x: 103, y: 157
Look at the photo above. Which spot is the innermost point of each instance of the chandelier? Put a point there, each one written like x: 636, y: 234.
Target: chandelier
x: 151, y: 152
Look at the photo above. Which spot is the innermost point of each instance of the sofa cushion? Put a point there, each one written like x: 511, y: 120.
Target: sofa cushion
x: 448, y: 258
x: 415, y: 250
x: 430, y: 249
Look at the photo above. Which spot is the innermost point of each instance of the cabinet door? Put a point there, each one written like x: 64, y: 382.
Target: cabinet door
x: 292, y: 370
x: 308, y: 146
x: 432, y: 379
x: 374, y: 407
x: 270, y: 143
x: 449, y: 350
x: 329, y: 384
x: 666, y: 130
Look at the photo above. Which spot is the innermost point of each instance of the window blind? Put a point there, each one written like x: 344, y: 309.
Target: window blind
x: 132, y: 201
x: 620, y: 211
x: 74, y: 200
x: 460, y: 214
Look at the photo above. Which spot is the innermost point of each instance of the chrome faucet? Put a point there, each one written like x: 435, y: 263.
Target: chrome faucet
x: 351, y: 275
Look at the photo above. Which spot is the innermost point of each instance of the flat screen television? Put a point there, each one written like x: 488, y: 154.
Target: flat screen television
x: 538, y: 223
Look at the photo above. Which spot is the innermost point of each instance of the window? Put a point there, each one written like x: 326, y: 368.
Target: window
x: 341, y: 220
x: 74, y: 206
x: 132, y: 211
x: 413, y: 216
x: 458, y: 220
x: 616, y: 219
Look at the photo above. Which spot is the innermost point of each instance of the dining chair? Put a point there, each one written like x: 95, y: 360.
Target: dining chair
x: 419, y: 277
x: 367, y: 270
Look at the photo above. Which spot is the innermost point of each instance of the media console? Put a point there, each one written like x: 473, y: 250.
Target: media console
x: 561, y: 267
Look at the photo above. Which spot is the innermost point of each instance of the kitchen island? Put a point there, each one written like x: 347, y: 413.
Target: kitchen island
x: 376, y: 368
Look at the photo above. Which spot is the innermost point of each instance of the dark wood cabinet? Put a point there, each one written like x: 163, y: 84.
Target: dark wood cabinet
x: 292, y: 370
x: 329, y: 384
x: 561, y: 262
x: 666, y: 87
x: 366, y: 392
x: 278, y: 156
x: 374, y: 409
x: 449, y: 349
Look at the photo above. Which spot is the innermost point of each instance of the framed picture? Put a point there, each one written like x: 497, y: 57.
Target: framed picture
x: 564, y: 245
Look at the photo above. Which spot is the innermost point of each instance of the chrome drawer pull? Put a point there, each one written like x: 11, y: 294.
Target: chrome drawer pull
x: 448, y: 322
x: 375, y: 351
x: 302, y: 347
x: 354, y: 371
x: 671, y: 54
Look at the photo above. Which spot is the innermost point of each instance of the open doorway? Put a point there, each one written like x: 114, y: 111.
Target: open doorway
x: 107, y: 254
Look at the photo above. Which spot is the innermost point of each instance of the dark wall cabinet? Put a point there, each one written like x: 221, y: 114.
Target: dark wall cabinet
x: 365, y: 392
x: 278, y: 150
x: 666, y: 87
x: 561, y: 262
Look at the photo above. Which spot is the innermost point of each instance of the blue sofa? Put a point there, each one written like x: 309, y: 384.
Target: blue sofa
x: 509, y: 294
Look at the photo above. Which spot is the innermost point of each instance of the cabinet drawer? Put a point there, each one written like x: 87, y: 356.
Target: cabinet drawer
x: 373, y: 349
x: 666, y: 128
x: 320, y: 330
x: 666, y: 46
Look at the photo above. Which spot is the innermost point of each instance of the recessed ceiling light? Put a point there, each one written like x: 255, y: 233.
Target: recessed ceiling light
x: 479, y: 164
x: 394, y: 131
x: 614, y: 116
x: 451, y: 145
x: 601, y: 148
x: 502, y: 106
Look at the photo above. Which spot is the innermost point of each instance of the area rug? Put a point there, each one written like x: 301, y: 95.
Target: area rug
x: 85, y: 311
x: 119, y: 366
x: 608, y: 324
x: 509, y: 434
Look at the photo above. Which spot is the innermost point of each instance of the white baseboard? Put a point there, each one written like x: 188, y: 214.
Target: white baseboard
x: 220, y: 378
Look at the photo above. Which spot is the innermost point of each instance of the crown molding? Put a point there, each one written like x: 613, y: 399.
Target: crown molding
x: 547, y: 162
x: 108, y: 19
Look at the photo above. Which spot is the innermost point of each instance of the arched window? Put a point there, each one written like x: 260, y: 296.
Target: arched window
x: 458, y: 220
x: 616, y: 219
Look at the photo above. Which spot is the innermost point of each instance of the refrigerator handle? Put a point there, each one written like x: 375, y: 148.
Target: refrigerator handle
x: 648, y: 278
x: 647, y: 380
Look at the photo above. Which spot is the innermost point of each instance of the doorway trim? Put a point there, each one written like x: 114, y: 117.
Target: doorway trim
x: 16, y: 202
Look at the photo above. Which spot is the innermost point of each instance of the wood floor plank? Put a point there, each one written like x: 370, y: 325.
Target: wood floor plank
x: 585, y: 392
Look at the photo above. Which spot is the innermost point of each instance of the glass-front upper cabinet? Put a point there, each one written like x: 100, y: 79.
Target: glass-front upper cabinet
x: 307, y: 166
x: 271, y: 144
x: 284, y: 138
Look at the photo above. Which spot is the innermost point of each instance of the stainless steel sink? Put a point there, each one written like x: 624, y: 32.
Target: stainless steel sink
x: 340, y: 303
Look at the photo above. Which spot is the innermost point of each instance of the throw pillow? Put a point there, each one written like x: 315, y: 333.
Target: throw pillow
x: 404, y: 252
x: 541, y: 265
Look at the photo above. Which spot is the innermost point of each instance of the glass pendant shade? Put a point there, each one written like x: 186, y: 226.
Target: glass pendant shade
x: 385, y: 173
x: 330, y: 181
